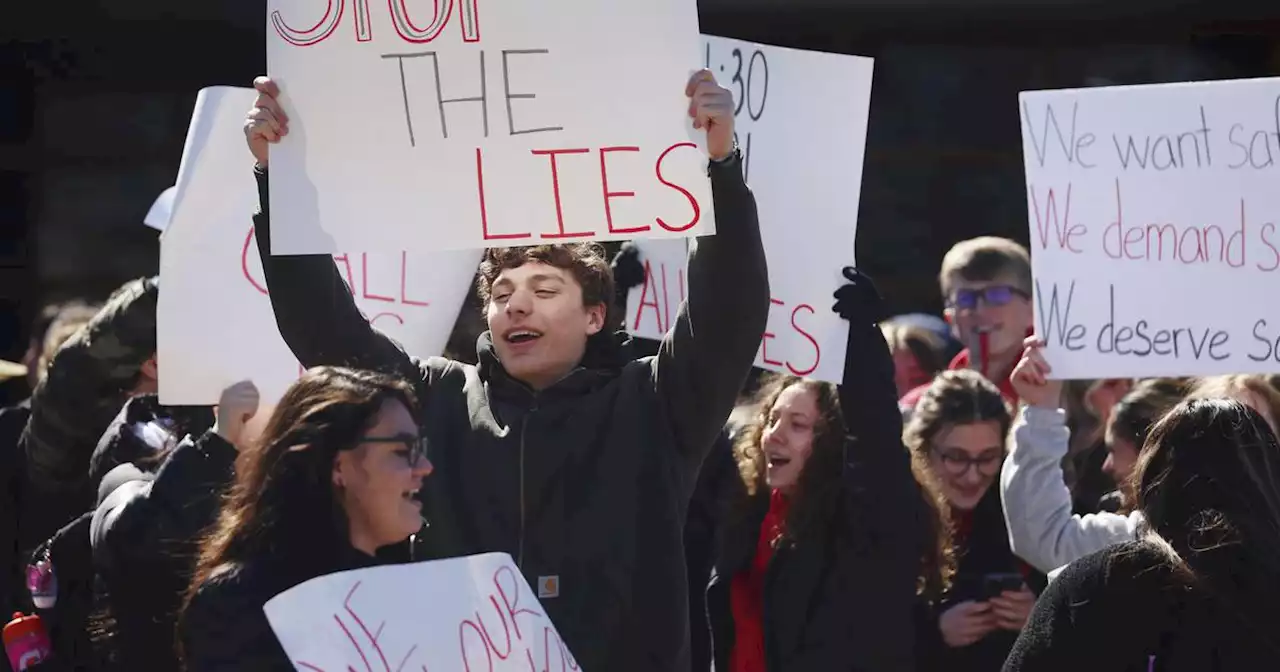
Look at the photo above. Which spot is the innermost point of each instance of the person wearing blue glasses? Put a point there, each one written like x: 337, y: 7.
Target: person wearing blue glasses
x: 986, y: 284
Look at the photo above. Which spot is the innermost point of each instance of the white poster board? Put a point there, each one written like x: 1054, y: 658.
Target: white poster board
x: 802, y: 128
x: 652, y: 306
x: 214, y: 320
x: 1153, y: 215
x: 472, y: 613
x: 439, y: 125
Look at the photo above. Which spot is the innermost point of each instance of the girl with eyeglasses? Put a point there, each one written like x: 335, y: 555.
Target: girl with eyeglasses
x: 956, y: 437
x: 333, y: 479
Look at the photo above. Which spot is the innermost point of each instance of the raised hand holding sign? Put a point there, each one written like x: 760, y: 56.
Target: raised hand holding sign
x: 488, y: 125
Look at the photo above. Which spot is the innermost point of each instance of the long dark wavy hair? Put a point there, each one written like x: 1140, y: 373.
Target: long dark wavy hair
x: 283, y: 502
x: 1208, y: 484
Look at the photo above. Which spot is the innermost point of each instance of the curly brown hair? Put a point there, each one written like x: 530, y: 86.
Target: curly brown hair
x: 816, y: 502
x: 586, y: 261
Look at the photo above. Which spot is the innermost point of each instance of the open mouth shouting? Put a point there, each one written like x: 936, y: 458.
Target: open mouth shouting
x: 521, y: 338
x: 411, y: 496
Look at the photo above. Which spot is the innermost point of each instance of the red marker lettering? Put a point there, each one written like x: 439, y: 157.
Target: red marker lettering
x: 506, y: 630
x: 817, y: 350
x: 764, y: 341
x: 374, y: 320
x: 1268, y: 230
x: 462, y: 644
x: 317, y: 33
x: 244, y: 263
x: 512, y: 606
x: 644, y: 303
x: 1064, y: 230
x: 364, y: 281
x: 469, y: 18
x: 404, y: 271
x: 697, y: 210
x: 555, y: 188
x: 604, y: 183
x: 351, y: 280
x: 484, y: 214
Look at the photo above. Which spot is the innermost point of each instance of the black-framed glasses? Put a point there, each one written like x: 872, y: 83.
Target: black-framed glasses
x: 994, y: 295
x: 958, y: 464
x: 416, y: 445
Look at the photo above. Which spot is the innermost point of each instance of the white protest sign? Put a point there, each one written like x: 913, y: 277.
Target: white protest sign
x: 1152, y: 212
x: 472, y: 613
x: 802, y: 127
x: 161, y: 210
x: 439, y: 125
x: 652, y: 306
x: 215, y: 325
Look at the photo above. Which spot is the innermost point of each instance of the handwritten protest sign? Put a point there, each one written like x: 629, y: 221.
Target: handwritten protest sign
x: 652, y: 306
x: 1153, y: 215
x: 439, y: 125
x: 472, y: 613
x: 801, y: 120
x: 214, y: 319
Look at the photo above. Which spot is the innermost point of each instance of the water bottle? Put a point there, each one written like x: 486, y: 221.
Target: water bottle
x: 25, y: 642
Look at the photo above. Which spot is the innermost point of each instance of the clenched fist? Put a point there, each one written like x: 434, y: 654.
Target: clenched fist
x: 236, y: 406
x: 266, y: 123
x: 1030, y: 377
x: 711, y: 108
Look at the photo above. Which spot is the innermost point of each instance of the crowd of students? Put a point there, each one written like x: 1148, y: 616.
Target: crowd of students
x: 695, y: 513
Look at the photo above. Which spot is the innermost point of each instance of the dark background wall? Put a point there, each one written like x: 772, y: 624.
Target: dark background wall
x: 95, y: 97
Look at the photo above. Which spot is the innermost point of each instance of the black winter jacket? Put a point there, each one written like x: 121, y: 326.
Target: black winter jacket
x: 145, y: 535
x: 143, y: 432
x: 842, y: 601
x: 986, y: 551
x: 224, y: 628
x: 589, y: 480
x: 86, y: 384
x: 1124, y: 608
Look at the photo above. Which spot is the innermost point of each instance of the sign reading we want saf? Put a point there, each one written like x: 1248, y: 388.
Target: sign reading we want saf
x: 1153, y: 213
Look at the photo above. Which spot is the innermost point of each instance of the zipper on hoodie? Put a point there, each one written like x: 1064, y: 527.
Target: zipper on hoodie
x: 524, y: 429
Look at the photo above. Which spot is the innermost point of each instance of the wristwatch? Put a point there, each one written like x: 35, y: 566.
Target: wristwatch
x: 730, y: 159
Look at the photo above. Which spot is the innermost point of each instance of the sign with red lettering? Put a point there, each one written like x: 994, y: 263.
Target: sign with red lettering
x: 806, y: 187
x: 1153, y: 220
x: 443, y: 124
x: 653, y: 306
x: 215, y: 323
x: 456, y: 615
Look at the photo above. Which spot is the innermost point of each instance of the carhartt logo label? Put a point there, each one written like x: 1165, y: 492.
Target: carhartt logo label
x: 548, y: 586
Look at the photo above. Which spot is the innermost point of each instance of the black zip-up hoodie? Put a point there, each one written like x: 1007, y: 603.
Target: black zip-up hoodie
x: 589, y: 480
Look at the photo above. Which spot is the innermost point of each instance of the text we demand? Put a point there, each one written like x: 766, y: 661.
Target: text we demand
x: 1152, y: 214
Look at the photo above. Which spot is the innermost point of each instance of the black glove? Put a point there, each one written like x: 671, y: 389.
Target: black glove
x: 628, y: 271
x: 858, y: 300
